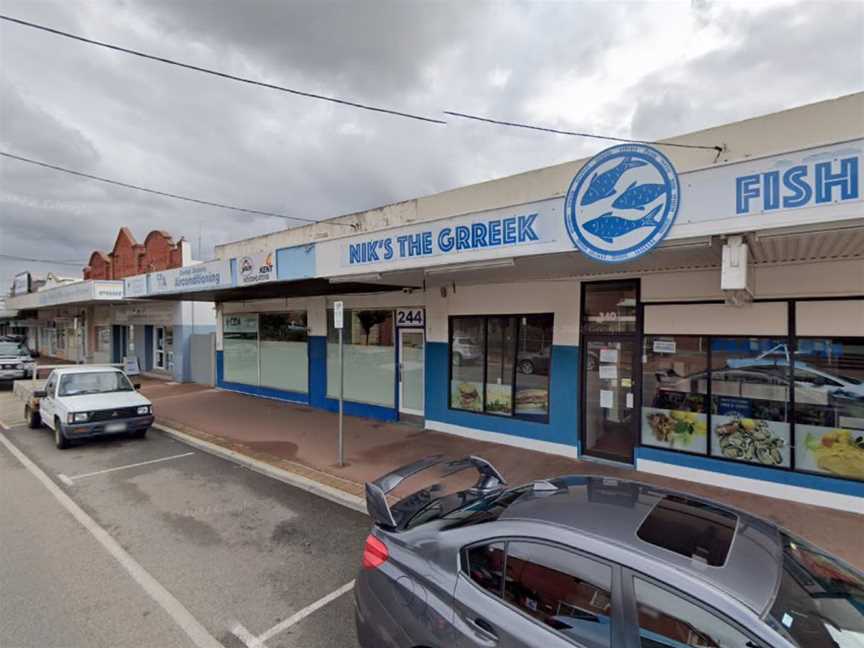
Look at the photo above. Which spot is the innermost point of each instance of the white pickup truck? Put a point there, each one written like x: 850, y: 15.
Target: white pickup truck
x: 81, y: 402
x: 16, y: 362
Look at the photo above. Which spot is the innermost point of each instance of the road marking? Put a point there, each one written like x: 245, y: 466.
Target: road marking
x: 252, y: 641
x: 68, y: 480
x: 182, y: 617
x: 65, y: 479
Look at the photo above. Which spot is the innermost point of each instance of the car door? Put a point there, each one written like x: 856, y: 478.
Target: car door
x: 47, y: 404
x: 520, y: 593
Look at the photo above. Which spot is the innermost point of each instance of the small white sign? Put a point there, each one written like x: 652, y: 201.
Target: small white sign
x: 608, y: 372
x: 130, y: 366
x: 665, y: 346
x: 629, y: 400
x: 256, y: 268
x: 410, y: 317
x: 338, y: 314
x: 608, y: 355
x: 607, y: 398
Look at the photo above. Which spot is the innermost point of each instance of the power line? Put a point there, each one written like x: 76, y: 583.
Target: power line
x: 21, y: 258
x: 161, y: 193
x: 575, y: 133
x: 224, y: 75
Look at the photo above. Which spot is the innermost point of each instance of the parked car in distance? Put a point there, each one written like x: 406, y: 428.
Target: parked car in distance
x: 465, y: 350
x: 80, y: 402
x: 592, y: 562
x: 16, y: 361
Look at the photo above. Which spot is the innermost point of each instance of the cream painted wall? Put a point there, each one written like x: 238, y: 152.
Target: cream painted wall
x: 765, y: 318
x: 841, y: 317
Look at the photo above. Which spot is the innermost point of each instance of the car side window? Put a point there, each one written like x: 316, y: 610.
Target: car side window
x: 667, y: 620
x: 565, y: 591
x: 485, y: 566
x: 49, y: 386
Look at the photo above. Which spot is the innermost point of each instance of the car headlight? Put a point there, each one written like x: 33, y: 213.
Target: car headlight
x: 79, y: 417
x: 144, y: 409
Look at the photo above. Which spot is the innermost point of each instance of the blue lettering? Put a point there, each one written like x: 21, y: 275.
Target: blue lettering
x: 478, y: 233
x: 494, y: 232
x: 373, y: 250
x: 846, y: 179
x: 746, y: 187
x: 415, y: 246
x: 463, y: 236
x: 388, y: 249
x: 445, y: 240
x: 526, y: 228
x: 427, y: 242
x: 402, y: 240
x: 354, y: 251
x: 794, y: 180
x: 771, y: 184
x: 509, y: 230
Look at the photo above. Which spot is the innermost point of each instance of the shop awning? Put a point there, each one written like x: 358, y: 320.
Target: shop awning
x: 282, y: 289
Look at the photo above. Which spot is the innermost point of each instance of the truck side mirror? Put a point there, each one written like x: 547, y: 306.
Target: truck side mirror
x: 136, y: 385
x: 40, y: 393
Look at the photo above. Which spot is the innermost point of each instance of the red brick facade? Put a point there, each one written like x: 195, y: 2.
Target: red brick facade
x: 128, y: 258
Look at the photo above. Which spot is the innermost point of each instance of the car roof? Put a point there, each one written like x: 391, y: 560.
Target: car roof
x: 83, y: 369
x: 614, y: 509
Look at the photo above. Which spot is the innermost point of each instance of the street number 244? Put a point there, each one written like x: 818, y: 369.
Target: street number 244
x: 409, y: 317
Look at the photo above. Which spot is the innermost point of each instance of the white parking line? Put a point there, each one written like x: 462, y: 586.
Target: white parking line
x: 68, y: 480
x: 182, y: 617
x: 252, y: 641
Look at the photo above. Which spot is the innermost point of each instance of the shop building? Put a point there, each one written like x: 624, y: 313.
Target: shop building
x: 100, y: 318
x: 693, y: 308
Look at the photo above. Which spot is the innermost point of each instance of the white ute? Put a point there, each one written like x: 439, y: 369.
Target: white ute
x: 88, y: 402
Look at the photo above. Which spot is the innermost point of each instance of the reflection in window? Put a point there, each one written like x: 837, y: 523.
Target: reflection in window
x: 284, y: 352
x: 610, y: 307
x: 467, y: 361
x: 533, y: 364
x: 674, y: 396
x: 240, y: 348
x: 501, y: 342
x: 565, y: 591
x: 486, y: 567
x: 667, y: 620
x: 750, y: 400
x: 829, y: 406
x: 369, y: 357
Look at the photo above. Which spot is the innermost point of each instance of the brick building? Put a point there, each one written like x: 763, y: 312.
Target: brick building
x: 129, y: 258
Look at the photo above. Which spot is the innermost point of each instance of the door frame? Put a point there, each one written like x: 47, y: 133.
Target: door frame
x: 399, y: 383
x: 636, y: 338
x: 157, y: 351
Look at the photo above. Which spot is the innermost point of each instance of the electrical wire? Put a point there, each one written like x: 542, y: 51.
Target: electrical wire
x: 21, y: 258
x: 224, y: 75
x: 577, y: 134
x: 166, y: 194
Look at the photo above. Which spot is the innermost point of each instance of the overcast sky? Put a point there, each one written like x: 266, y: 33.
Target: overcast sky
x: 641, y: 70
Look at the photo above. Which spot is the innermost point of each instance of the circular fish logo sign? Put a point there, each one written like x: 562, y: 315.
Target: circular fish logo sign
x: 622, y: 202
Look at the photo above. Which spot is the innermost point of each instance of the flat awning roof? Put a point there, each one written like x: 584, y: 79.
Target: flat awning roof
x: 281, y: 289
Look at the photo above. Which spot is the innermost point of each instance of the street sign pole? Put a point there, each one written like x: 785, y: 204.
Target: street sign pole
x: 338, y: 324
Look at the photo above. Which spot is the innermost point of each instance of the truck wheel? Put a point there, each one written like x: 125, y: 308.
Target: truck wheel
x: 140, y: 434
x: 34, y: 421
x: 60, y: 439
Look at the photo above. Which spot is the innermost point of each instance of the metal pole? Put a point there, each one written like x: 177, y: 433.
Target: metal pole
x: 341, y: 393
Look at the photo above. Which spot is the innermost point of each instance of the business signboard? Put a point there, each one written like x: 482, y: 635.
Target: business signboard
x: 82, y: 291
x: 21, y: 284
x: 256, y: 268
x: 202, y: 276
x: 135, y: 286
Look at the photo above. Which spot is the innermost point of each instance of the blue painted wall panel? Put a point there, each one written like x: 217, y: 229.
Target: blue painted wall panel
x: 295, y: 262
x: 318, y: 371
x: 563, y: 399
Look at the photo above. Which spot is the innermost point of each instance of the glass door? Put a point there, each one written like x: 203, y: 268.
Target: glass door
x: 159, y: 347
x: 411, y: 368
x: 610, y: 395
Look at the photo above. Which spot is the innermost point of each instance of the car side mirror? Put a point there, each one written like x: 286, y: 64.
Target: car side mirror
x: 40, y: 393
x: 136, y: 385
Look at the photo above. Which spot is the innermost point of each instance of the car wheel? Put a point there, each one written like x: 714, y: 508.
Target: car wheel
x: 60, y: 439
x: 140, y: 434
x: 526, y: 367
x: 34, y: 421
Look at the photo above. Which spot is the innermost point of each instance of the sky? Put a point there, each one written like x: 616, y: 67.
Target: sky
x: 641, y: 70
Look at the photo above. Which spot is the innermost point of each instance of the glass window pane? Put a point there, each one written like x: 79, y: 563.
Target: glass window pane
x: 369, y: 357
x: 240, y: 348
x: 486, y: 566
x: 563, y: 590
x: 500, y: 352
x: 666, y: 619
x: 750, y: 400
x: 467, y: 343
x: 674, y: 388
x: 533, y: 365
x: 610, y: 307
x: 284, y: 351
x: 829, y: 406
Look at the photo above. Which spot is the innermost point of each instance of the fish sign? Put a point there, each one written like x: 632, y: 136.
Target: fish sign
x: 622, y: 203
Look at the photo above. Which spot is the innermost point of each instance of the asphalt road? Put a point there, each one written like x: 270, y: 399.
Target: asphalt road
x: 181, y: 551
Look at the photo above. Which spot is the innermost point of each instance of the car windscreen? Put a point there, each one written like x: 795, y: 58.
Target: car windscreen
x: 12, y: 349
x: 94, y: 382
x: 820, y: 602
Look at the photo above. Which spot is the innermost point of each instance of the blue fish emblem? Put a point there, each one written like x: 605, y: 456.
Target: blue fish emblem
x: 603, y: 185
x: 609, y: 227
x: 636, y: 196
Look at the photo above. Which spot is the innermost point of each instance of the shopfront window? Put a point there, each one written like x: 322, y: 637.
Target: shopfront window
x: 674, y: 392
x: 829, y: 406
x: 500, y: 364
x: 369, y: 357
x: 609, y: 307
x: 284, y: 351
x: 240, y: 348
x: 750, y: 408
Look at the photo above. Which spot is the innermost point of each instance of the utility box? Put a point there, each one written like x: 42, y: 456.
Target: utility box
x: 735, y: 278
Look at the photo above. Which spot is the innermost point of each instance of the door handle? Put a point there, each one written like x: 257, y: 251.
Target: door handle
x: 485, y: 629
